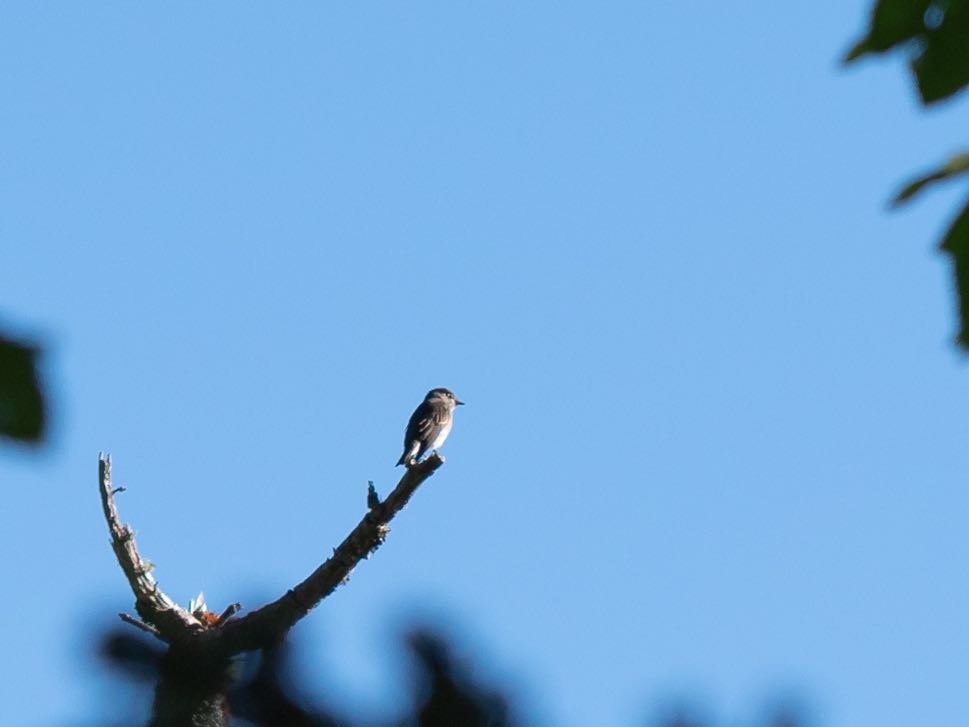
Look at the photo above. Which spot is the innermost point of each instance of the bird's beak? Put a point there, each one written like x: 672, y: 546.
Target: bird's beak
x: 459, y: 403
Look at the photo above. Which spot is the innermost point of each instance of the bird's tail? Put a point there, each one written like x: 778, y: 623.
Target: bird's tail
x: 411, y: 451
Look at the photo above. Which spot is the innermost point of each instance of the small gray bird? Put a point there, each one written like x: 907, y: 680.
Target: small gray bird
x: 429, y: 425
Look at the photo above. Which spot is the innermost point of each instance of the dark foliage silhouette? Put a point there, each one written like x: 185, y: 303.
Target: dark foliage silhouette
x: 932, y: 33
x: 22, y: 406
x: 442, y: 694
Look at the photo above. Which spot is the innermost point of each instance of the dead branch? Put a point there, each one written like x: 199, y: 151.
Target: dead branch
x: 171, y: 622
x: 265, y: 626
x: 270, y: 623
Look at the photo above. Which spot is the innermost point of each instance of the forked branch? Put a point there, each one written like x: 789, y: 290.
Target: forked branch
x: 267, y: 625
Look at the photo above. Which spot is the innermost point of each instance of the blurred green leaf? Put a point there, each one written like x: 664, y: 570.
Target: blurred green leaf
x: 956, y: 244
x: 936, y: 33
x: 22, y: 415
x: 942, y: 67
x: 958, y: 164
x: 892, y: 22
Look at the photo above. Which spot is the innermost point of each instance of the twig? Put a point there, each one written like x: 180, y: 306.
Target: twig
x: 373, y: 500
x: 171, y: 621
x: 231, y: 610
x: 268, y: 624
x: 138, y: 623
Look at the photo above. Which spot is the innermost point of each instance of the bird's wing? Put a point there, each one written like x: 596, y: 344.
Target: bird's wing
x: 425, y: 419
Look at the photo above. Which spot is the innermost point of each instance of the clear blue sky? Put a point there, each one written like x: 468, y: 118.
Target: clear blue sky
x: 715, y: 441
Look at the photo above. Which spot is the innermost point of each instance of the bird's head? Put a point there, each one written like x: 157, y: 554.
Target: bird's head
x: 445, y: 395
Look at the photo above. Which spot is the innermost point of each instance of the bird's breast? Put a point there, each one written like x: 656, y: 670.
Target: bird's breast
x: 440, y: 434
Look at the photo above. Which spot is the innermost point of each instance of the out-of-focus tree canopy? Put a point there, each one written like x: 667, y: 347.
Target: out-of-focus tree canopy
x: 934, y: 34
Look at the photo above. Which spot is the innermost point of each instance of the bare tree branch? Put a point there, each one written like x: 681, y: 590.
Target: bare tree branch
x: 266, y: 626
x: 173, y: 623
x: 270, y: 623
x: 196, y: 667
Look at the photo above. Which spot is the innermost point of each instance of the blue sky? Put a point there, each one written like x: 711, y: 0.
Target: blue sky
x: 714, y: 447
